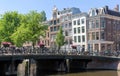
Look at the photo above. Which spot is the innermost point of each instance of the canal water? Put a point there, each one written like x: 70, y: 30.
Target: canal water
x: 22, y: 72
x: 86, y: 73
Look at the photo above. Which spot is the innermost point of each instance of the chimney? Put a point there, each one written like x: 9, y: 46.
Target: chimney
x: 117, y: 8
x: 106, y: 7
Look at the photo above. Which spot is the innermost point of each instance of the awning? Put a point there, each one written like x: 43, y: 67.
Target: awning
x: 74, y: 46
x: 41, y: 44
x: 6, y: 43
x: 100, y: 41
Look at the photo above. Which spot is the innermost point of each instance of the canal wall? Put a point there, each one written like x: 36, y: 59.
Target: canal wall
x: 104, y: 64
x: 21, y: 69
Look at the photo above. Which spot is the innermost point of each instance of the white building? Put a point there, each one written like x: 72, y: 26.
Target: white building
x: 79, y: 32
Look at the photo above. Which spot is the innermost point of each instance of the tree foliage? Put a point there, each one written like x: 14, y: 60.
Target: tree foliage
x: 8, y: 24
x: 60, y: 38
x: 35, y: 25
x: 19, y: 28
x: 21, y: 35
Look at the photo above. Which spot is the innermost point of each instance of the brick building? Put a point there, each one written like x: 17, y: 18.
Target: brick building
x: 104, y: 29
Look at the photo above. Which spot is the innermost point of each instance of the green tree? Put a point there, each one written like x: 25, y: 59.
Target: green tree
x: 19, y: 28
x: 60, y: 38
x: 36, y: 25
x: 31, y: 28
x: 21, y: 35
x: 8, y: 24
x: 43, y: 15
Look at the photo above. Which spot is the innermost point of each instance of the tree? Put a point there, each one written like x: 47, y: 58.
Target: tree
x: 8, y: 24
x: 43, y: 15
x: 21, y: 35
x: 19, y: 28
x: 31, y: 28
x: 36, y: 25
x: 60, y: 38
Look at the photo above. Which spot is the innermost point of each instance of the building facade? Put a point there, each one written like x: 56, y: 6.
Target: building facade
x: 79, y: 30
x: 99, y: 29
x: 59, y: 19
x: 104, y: 29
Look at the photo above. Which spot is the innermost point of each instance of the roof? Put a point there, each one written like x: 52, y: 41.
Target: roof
x: 114, y: 13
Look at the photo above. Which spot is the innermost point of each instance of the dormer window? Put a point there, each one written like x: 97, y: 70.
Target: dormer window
x: 101, y: 11
x: 93, y: 13
x: 97, y: 11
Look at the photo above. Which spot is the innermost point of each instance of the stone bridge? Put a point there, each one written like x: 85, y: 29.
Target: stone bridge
x: 50, y: 61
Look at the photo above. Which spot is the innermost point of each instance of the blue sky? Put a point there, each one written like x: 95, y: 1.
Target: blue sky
x: 24, y: 6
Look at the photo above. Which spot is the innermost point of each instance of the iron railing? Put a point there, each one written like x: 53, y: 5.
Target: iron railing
x: 53, y: 51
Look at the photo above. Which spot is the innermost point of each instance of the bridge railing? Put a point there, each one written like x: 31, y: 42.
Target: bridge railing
x: 53, y: 51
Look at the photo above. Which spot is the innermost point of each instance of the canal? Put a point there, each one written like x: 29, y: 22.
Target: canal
x: 75, y: 73
x: 88, y: 73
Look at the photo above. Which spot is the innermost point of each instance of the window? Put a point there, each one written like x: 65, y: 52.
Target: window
x: 74, y: 22
x: 54, y: 15
x: 65, y: 25
x: 51, y: 29
x: 83, y: 38
x: 55, y: 29
x: 93, y: 35
x: 58, y: 21
x: 48, y: 34
x: 58, y: 13
x: 78, y: 22
x: 70, y: 32
x: 82, y: 21
x: 53, y: 37
x: 69, y: 17
x: 78, y: 29
x: 93, y: 13
x: 79, y: 39
x: 66, y: 18
x: 70, y: 25
x: 83, y: 29
x: 102, y: 35
x: 92, y: 24
x: 66, y: 33
x: 70, y: 41
x: 97, y: 24
x: 74, y: 30
x: 102, y: 23
x: 97, y: 35
x: 75, y: 39
x: 54, y: 22
x: 89, y: 36
x: 51, y: 22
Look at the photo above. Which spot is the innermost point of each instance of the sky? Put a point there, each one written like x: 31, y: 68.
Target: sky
x: 24, y: 6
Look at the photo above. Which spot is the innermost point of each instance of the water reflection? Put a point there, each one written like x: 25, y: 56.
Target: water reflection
x: 90, y: 73
x: 118, y: 73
